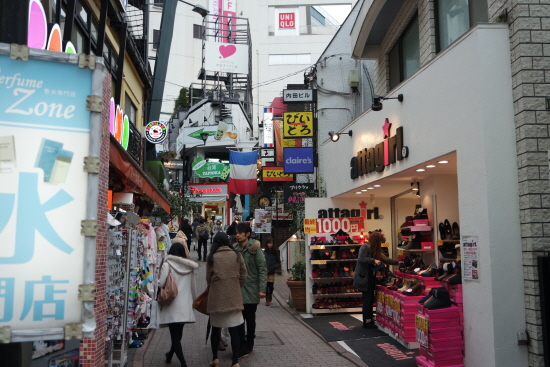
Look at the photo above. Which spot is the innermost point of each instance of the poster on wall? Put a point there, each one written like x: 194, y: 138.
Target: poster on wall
x: 44, y: 192
x: 42, y: 348
x: 227, y: 58
x: 470, y: 257
x: 262, y: 221
x: 69, y: 359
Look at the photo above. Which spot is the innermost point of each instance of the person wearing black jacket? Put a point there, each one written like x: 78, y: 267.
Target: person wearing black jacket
x: 273, y: 262
x: 188, y: 231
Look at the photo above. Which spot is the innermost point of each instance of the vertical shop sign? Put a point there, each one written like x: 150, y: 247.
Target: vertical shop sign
x: 297, y: 125
x: 44, y: 192
x: 470, y: 257
x: 268, y: 126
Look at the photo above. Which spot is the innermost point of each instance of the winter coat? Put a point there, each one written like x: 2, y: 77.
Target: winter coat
x: 216, y: 228
x: 200, y: 227
x: 181, y: 308
x: 187, y: 230
x: 225, y: 278
x: 272, y: 260
x: 363, y: 279
x: 256, y: 269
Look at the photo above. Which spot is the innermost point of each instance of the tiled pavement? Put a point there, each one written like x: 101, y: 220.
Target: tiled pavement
x: 281, y: 340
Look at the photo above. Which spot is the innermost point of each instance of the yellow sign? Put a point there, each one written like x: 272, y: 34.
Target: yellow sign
x: 421, y: 323
x: 276, y: 174
x: 297, y: 124
x: 310, y: 225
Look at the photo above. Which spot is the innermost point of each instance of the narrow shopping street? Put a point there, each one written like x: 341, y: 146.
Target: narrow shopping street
x: 281, y: 339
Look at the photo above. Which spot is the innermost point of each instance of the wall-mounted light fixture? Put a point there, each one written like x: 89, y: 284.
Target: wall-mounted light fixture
x: 415, y: 186
x: 377, y: 101
x: 335, y: 136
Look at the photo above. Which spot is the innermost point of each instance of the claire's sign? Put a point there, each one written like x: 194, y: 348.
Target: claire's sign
x: 383, y: 154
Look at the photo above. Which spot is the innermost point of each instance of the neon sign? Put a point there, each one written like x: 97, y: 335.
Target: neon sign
x: 37, y: 31
x: 210, y: 190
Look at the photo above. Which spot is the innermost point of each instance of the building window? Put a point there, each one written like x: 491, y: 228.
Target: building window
x: 455, y: 17
x: 298, y: 59
x: 129, y: 108
x: 198, y: 31
x: 156, y: 39
x: 317, y: 19
x: 404, y: 57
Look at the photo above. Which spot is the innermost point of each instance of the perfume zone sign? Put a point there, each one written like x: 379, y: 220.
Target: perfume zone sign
x: 43, y: 143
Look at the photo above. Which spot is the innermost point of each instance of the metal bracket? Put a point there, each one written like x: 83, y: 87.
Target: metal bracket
x: 86, y: 292
x: 86, y: 61
x: 19, y: 52
x: 91, y: 164
x: 73, y: 331
x: 94, y: 103
x: 5, y: 334
x: 88, y: 228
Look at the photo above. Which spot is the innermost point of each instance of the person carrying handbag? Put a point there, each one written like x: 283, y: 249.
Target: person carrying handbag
x: 273, y: 262
x: 180, y: 311
x: 225, y: 275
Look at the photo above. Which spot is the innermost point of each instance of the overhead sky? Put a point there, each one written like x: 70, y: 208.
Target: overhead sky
x: 338, y: 12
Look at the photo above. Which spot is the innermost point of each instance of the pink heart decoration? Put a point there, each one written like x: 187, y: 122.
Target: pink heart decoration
x: 227, y: 51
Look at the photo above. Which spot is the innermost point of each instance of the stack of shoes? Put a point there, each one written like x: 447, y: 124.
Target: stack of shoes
x: 440, y: 299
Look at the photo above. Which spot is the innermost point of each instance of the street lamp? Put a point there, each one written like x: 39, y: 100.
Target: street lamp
x: 197, y: 8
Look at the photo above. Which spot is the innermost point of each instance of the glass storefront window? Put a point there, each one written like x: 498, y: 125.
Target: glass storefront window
x: 411, y: 49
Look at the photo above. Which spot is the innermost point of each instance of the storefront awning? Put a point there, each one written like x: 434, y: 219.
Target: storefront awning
x: 122, y: 161
x: 205, y: 198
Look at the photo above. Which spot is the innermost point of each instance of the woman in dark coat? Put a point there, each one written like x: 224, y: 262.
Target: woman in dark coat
x: 370, y: 255
x: 225, y: 275
x: 188, y: 231
x: 273, y: 262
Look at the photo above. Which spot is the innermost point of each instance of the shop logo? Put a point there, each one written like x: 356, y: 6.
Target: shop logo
x: 210, y: 190
x: 382, y: 155
x: 299, y: 160
x: 347, y: 213
x: 156, y: 132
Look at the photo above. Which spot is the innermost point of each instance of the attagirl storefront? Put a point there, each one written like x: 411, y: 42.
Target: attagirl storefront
x: 448, y: 148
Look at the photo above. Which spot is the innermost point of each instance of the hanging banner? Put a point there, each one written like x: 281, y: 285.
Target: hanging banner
x: 297, y: 125
x: 44, y: 192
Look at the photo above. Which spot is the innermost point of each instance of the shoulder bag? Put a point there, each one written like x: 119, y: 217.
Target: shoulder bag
x: 169, y: 290
x: 201, y: 302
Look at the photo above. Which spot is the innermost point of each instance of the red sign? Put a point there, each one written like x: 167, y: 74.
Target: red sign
x: 332, y: 225
x: 210, y: 190
x: 286, y: 20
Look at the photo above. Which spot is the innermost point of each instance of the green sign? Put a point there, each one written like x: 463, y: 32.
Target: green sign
x: 205, y: 169
x: 197, y: 134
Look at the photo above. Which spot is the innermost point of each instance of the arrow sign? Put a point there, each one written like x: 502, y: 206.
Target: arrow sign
x: 267, y: 153
x: 197, y: 134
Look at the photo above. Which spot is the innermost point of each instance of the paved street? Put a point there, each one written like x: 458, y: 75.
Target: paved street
x: 281, y: 339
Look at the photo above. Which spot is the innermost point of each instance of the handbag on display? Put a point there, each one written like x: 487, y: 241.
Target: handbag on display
x: 169, y: 290
x: 201, y: 302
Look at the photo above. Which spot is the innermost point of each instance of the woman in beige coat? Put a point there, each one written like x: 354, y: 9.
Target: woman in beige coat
x: 180, y: 311
x: 225, y: 275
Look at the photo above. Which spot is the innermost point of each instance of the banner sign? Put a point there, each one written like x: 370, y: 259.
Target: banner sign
x: 44, y: 192
x: 268, y: 127
x: 333, y: 225
x: 226, y: 57
x: 276, y: 174
x: 299, y: 160
x: 299, y: 95
x: 297, y: 125
x: 297, y: 192
x: 262, y: 221
x: 217, y: 135
x: 205, y: 169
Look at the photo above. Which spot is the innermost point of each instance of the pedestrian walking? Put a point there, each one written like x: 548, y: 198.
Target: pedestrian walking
x: 217, y: 227
x: 176, y: 314
x: 370, y: 255
x: 194, y: 225
x: 188, y: 231
x: 225, y: 275
x: 273, y: 262
x: 231, y: 231
x: 203, y: 234
x: 254, y: 288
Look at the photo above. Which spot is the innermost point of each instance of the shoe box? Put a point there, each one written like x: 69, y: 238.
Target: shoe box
x: 423, y: 362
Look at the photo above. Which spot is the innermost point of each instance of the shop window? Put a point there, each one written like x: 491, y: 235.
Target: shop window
x: 297, y: 59
x: 404, y: 57
x: 455, y: 17
x: 198, y: 31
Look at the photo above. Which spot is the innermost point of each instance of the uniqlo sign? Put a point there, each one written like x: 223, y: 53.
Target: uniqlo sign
x: 287, y: 20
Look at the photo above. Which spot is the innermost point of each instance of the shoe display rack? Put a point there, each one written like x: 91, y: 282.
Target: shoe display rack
x: 330, y: 270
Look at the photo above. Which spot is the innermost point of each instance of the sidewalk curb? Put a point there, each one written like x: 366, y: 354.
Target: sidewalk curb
x: 140, y: 353
x: 334, y: 345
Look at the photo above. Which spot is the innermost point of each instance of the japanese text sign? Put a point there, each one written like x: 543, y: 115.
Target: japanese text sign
x: 297, y: 192
x: 332, y: 225
x: 299, y: 95
x: 421, y: 324
x: 276, y: 174
x: 297, y: 124
x: 43, y: 192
